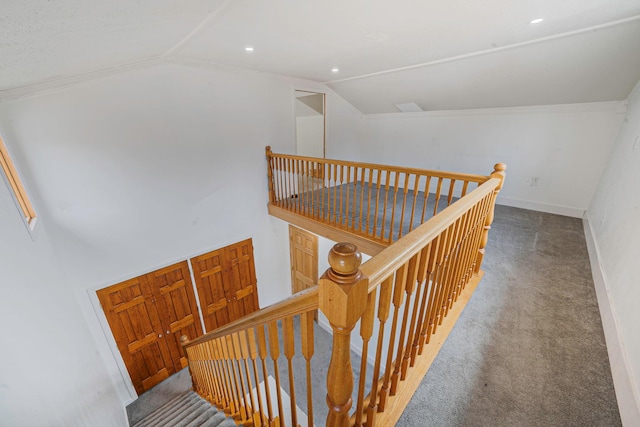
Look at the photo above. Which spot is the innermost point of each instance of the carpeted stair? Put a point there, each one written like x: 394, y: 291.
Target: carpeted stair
x: 187, y: 410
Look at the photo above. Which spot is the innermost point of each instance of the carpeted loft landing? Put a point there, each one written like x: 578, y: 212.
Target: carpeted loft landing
x: 528, y: 350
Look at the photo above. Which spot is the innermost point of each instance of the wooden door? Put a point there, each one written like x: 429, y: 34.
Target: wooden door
x: 226, y: 283
x: 176, y: 302
x: 147, y: 316
x: 134, y: 321
x: 304, y: 259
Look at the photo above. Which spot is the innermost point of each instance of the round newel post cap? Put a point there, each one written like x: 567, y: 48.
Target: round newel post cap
x: 344, y: 259
x: 499, y: 167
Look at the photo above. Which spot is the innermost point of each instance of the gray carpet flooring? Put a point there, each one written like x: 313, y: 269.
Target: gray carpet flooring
x: 528, y: 350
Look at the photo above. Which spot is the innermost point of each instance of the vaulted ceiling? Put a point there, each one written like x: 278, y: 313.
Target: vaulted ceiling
x: 440, y: 55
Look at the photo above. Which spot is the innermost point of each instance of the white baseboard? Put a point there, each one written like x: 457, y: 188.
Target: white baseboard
x: 623, y: 381
x: 541, y: 207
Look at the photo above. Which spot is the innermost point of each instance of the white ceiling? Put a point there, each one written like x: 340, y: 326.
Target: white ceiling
x: 453, y: 54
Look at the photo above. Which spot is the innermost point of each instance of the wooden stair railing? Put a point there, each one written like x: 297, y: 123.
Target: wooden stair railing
x: 226, y: 365
x: 407, y: 299
x: 376, y: 204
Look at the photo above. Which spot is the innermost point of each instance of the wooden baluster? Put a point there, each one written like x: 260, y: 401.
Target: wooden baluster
x: 346, y: 199
x: 384, y: 306
x: 289, y: 352
x: 417, y: 279
x: 438, y: 192
x: 355, y: 197
x: 423, y: 280
x: 362, y: 212
x: 262, y: 352
x: 274, y: 347
x: 498, y: 172
x: 412, y: 274
x: 342, y: 297
x: 286, y: 182
x: 435, y: 273
x: 305, y: 187
x: 464, y: 188
x: 452, y: 185
x: 384, y: 206
x: 427, y: 188
x: 393, y: 208
x: 250, y: 337
x: 416, y: 185
x: 243, y: 349
x: 465, y: 243
x: 222, y: 401
x: 398, y: 295
x: 368, y: 212
x: 479, y: 232
x: 301, y: 189
x: 375, y: 217
x: 234, y: 354
x: 366, y: 331
x: 238, y: 409
x: 336, y: 180
x: 445, y: 272
x: 224, y: 356
x: 306, y: 329
x: 329, y: 208
x: 215, y: 367
x: 210, y: 394
x: 453, y: 263
x: 404, y: 203
x: 340, y: 177
x: 285, y: 198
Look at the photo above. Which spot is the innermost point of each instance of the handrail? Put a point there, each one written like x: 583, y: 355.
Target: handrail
x: 299, y: 303
x: 393, y: 168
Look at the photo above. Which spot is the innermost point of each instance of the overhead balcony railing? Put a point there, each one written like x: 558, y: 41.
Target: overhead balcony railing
x: 377, y: 203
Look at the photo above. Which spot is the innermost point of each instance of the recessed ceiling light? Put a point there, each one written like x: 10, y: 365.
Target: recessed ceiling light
x: 536, y: 21
x: 334, y: 70
x: 249, y: 49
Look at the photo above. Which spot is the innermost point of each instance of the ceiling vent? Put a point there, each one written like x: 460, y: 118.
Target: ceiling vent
x: 409, y: 107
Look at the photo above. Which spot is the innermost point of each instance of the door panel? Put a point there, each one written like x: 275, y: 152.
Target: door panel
x: 136, y: 327
x: 226, y: 283
x: 304, y: 259
x: 242, y: 278
x: 176, y: 303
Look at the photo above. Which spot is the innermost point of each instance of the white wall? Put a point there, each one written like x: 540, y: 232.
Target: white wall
x: 138, y: 170
x: 565, y: 147
x: 50, y: 373
x: 613, y: 230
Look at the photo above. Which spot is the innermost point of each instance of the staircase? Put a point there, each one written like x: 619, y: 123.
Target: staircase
x: 187, y: 410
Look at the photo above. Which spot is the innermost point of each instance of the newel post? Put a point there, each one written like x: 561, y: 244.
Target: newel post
x: 498, y: 172
x: 269, y: 154
x: 343, y: 291
x: 184, y: 340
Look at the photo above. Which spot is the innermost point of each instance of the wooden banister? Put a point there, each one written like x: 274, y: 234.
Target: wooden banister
x: 376, y: 204
x: 406, y: 298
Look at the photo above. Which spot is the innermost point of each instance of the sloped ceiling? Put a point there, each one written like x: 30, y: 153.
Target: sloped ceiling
x: 440, y: 55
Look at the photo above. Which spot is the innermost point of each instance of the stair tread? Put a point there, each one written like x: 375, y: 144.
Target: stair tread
x: 173, y: 405
x: 187, y: 410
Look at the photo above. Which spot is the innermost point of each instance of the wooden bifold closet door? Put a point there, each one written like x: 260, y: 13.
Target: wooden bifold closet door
x: 148, y: 315
x: 226, y: 283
